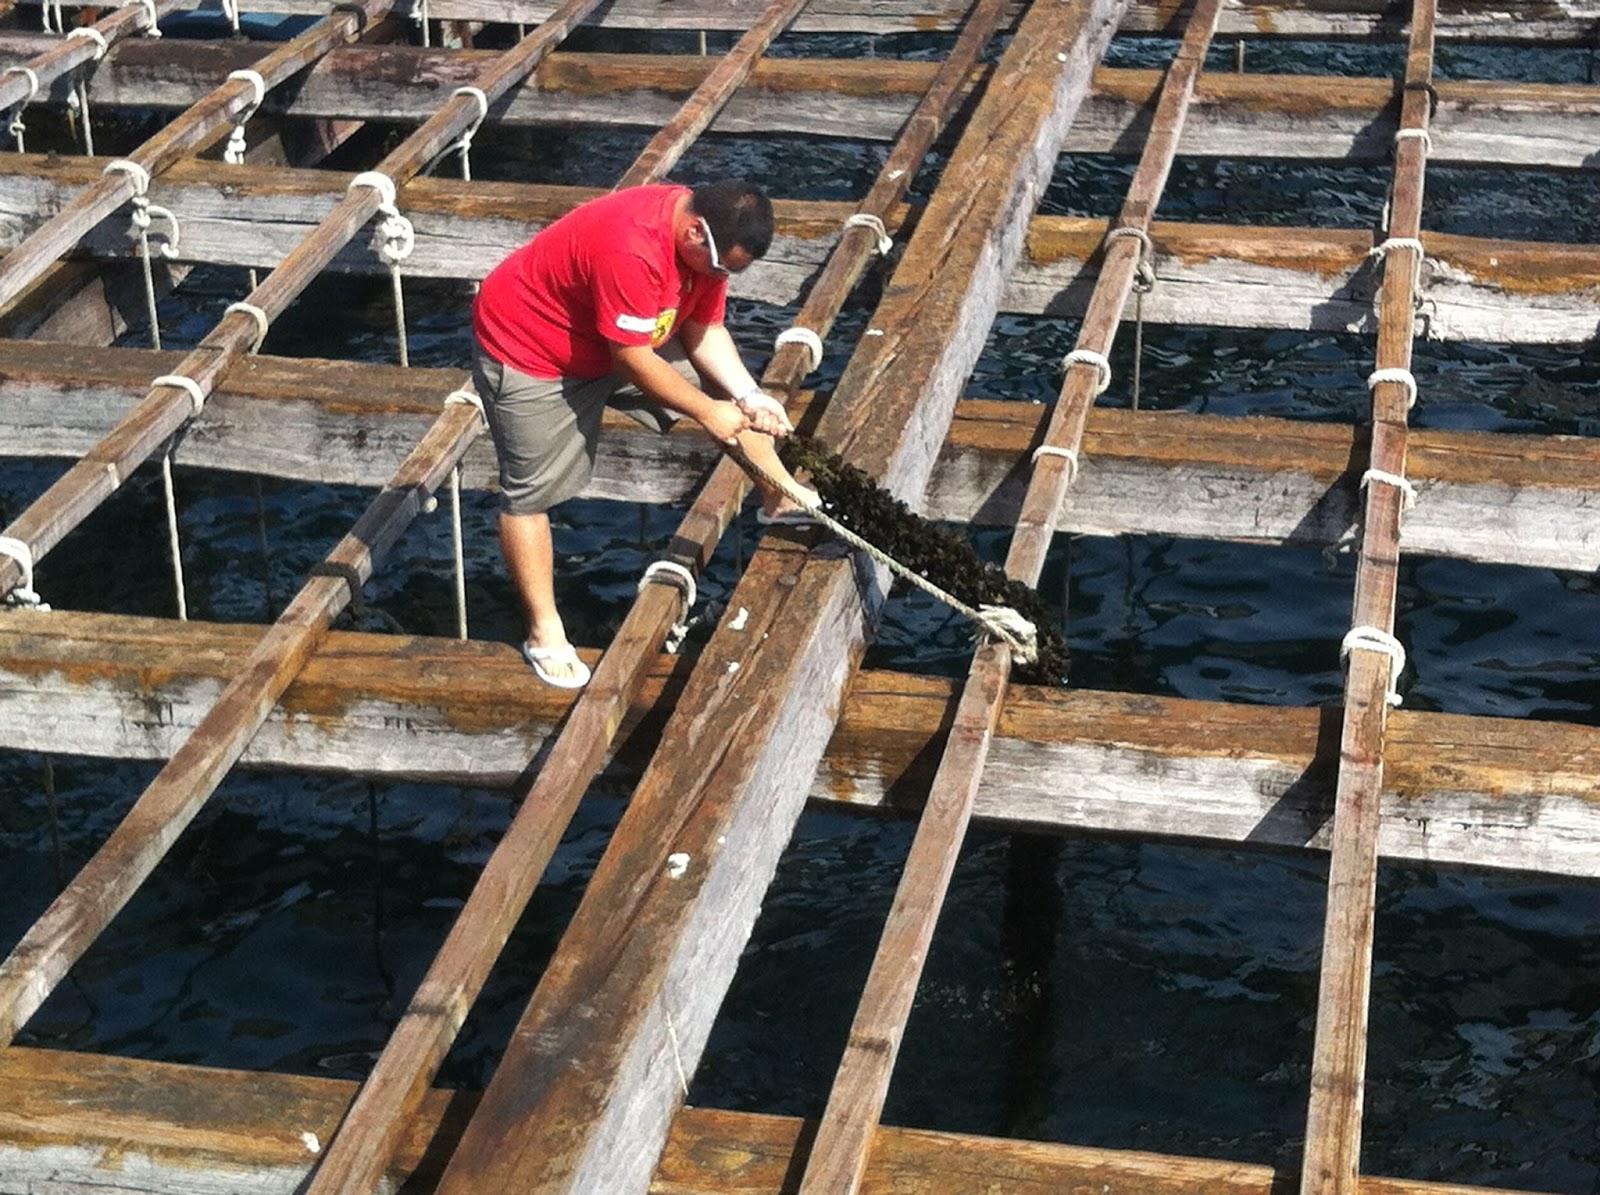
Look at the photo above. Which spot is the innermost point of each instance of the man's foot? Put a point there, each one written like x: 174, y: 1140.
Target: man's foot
x: 558, y: 666
x: 787, y: 513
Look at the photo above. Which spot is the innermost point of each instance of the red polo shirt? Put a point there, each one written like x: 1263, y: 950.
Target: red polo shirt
x: 606, y: 271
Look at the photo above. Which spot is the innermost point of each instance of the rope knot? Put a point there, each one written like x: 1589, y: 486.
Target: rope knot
x: 1016, y: 631
x: 670, y: 572
x: 1379, y: 640
x: 23, y: 593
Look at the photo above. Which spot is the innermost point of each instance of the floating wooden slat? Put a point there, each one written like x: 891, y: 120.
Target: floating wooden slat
x: 1486, y: 792
x: 388, y: 1100
x: 72, y: 1122
x: 1234, y: 115
x: 1506, y: 22
x: 838, y: 1160
x: 166, y: 408
x: 582, y: 1099
x: 1214, y: 275
x: 1339, y: 1054
x: 41, y: 959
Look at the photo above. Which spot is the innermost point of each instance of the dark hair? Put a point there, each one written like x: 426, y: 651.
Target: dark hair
x: 739, y: 214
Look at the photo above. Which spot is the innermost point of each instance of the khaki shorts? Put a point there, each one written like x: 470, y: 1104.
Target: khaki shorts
x: 545, y: 429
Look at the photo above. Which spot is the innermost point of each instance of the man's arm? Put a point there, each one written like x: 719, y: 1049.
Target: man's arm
x: 712, y: 351
x: 642, y: 366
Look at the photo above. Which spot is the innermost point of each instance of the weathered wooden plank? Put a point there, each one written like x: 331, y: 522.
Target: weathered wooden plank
x: 1489, y: 792
x: 584, y: 1095
x: 1214, y: 275
x: 838, y: 1159
x: 1339, y: 1052
x: 58, y: 57
x: 1249, y: 115
x: 1499, y: 498
x: 48, y: 949
x: 1571, y: 22
x: 84, y: 1124
x: 414, y: 1052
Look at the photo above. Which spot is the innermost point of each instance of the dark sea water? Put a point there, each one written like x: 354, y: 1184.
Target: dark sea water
x: 1143, y: 995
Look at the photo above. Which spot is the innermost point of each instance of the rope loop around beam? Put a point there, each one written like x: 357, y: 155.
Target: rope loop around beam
x: 468, y: 397
x: 1421, y: 135
x: 23, y: 594
x: 874, y: 225
x: 151, y: 17
x: 89, y: 33
x: 233, y: 154
x: 1378, y: 640
x: 255, y: 313
x: 1070, y: 455
x: 1408, y: 492
x: 179, y: 381
x: 1144, y: 280
x: 1401, y: 377
x: 1090, y: 357
x: 806, y: 338
x: 670, y: 572
x: 137, y: 174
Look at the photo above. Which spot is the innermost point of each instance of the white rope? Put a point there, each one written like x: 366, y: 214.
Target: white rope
x: 234, y: 153
x: 89, y: 33
x: 179, y: 381
x: 1144, y: 272
x: 1408, y: 492
x: 255, y: 313
x: 1375, y: 639
x: 174, y: 544
x: 151, y: 29
x: 1388, y: 243
x: 396, y: 238
x: 419, y: 16
x: 463, y: 143
x: 230, y: 9
x: 16, y: 128
x: 1070, y: 455
x: 24, y: 593
x: 135, y: 172
x: 467, y: 397
x: 802, y: 336
x: 1001, y: 621
x: 1421, y: 135
x: 459, y: 552
x: 670, y: 572
x: 1090, y: 357
x: 53, y: 7
x: 1402, y: 377
x: 874, y: 224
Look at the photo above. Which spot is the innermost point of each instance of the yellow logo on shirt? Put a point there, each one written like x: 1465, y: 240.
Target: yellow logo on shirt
x: 663, y: 328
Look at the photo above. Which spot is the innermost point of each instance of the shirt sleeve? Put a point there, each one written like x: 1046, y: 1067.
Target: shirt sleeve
x: 626, y: 288
x: 708, y: 304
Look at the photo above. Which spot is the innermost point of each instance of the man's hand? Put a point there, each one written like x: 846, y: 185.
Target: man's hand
x: 724, y: 421
x: 766, y: 413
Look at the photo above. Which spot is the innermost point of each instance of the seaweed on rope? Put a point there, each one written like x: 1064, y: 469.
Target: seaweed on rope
x: 937, y: 554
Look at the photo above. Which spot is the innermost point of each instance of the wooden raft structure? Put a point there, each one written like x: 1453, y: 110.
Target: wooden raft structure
x: 725, y: 748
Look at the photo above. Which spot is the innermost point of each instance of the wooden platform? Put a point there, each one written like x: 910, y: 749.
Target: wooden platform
x: 724, y: 747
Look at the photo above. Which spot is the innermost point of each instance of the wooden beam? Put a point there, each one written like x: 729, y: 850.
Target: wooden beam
x: 1375, y: 660
x: 1490, y: 497
x: 1506, y: 22
x: 1234, y: 115
x: 838, y: 1160
x: 585, y: 1094
x: 1210, y: 275
x: 86, y: 1124
x: 411, y: 1058
x: 1489, y: 792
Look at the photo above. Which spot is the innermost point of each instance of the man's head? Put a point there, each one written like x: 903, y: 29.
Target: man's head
x: 730, y: 226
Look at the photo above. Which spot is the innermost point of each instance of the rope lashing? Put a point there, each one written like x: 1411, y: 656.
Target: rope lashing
x: 142, y: 216
x: 1408, y: 492
x: 1376, y: 639
x: 1402, y: 377
x: 16, y: 128
x: 151, y: 17
x: 178, y: 381
x: 255, y: 313
x: 395, y: 240
x: 802, y: 336
x: 1070, y: 455
x: 1144, y: 278
x: 79, y: 96
x: 234, y: 153
x: 873, y: 224
x: 465, y: 396
x: 670, y: 572
x: 1389, y: 243
x: 1002, y: 622
x: 463, y: 143
x: 24, y: 594
x: 1421, y: 135
x: 1090, y: 357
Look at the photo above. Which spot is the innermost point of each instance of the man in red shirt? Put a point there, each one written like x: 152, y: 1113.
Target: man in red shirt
x: 620, y: 302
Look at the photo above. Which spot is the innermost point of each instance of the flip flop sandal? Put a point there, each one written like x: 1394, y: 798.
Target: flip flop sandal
x: 539, y: 657
x: 793, y: 517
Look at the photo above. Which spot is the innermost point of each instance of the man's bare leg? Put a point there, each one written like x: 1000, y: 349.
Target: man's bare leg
x: 761, y: 450
x: 530, y: 559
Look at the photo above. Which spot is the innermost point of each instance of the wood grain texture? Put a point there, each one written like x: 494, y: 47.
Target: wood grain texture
x: 1489, y: 792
